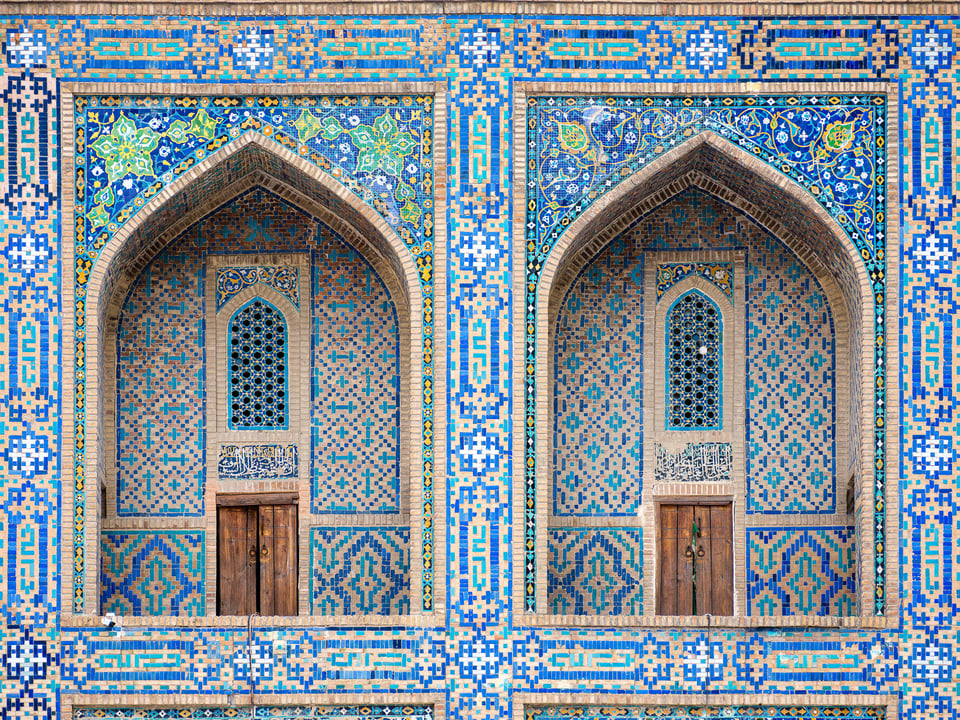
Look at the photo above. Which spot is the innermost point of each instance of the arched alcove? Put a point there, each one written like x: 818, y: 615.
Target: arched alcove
x: 254, y: 164
x: 798, y: 232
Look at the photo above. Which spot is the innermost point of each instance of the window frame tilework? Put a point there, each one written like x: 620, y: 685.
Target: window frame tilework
x: 232, y: 374
x: 296, y: 432
x: 731, y: 309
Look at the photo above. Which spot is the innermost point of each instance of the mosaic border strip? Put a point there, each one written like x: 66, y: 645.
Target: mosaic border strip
x: 690, y: 712
x: 678, y: 119
x: 218, y: 120
x: 277, y: 712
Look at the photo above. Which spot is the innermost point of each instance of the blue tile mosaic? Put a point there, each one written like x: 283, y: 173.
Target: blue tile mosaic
x: 587, y: 141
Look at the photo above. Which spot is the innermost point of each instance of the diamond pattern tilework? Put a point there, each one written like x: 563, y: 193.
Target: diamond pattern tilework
x: 791, y: 426
x: 801, y: 571
x: 595, y: 571
x: 360, y: 571
x: 356, y: 386
x: 152, y: 572
x: 160, y: 395
x: 598, y: 388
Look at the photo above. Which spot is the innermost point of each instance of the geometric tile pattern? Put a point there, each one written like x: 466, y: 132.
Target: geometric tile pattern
x: 355, y: 424
x: 152, y: 572
x: 355, y: 415
x: 686, y: 712
x: 595, y: 571
x: 341, y: 712
x: 379, y: 148
x: 161, y: 461
x: 481, y: 60
x: 257, y: 372
x: 695, y: 352
x: 791, y: 415
x: 598, y: 389
x: 360, y: 571
x: 801, y: 571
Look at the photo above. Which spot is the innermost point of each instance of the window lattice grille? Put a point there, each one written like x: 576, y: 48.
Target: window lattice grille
x: 258, y: 374
x: 694, y: 330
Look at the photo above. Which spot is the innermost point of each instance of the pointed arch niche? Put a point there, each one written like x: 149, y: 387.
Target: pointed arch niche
x: 797, y: 399
x: 254, y: 224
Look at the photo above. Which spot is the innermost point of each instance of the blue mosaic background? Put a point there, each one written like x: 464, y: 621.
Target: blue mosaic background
x: 481, y: 656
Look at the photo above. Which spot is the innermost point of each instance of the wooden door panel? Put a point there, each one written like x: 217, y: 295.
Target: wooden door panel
x: 286, y: 566
x: 684, y: 562
x: 257, y: 549
x: 704, y: 589
x: 713, y: 553
x: 236, y: 561
x: 721, y: 539
x: 267, y: 564
x: 667, y: 594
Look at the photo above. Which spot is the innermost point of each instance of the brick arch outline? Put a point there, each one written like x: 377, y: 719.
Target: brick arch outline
x: 612, y: 214
x: 370, y: 235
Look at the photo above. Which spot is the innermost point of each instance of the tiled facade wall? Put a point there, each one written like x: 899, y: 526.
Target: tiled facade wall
x: 481, y: 656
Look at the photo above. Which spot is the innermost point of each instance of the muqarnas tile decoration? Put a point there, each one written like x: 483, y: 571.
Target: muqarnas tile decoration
x: 362, y: 570
x: 717, y: 273
x: 285, y: 712
x: 598, y: 389
x: 129, y: 148
x: 697, y: 462
x: 255, y: 462
x: 284, y: 279
x: 801, y: 571
x: 595, y: 571
x: 580, y: 148
x: 146, y: 572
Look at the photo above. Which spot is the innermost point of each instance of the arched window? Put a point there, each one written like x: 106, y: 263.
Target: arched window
x: 258, y: 368
x: 694, y: 345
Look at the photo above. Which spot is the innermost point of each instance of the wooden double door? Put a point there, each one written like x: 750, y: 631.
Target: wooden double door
x: 257, y: 558
x: 696, y: 560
